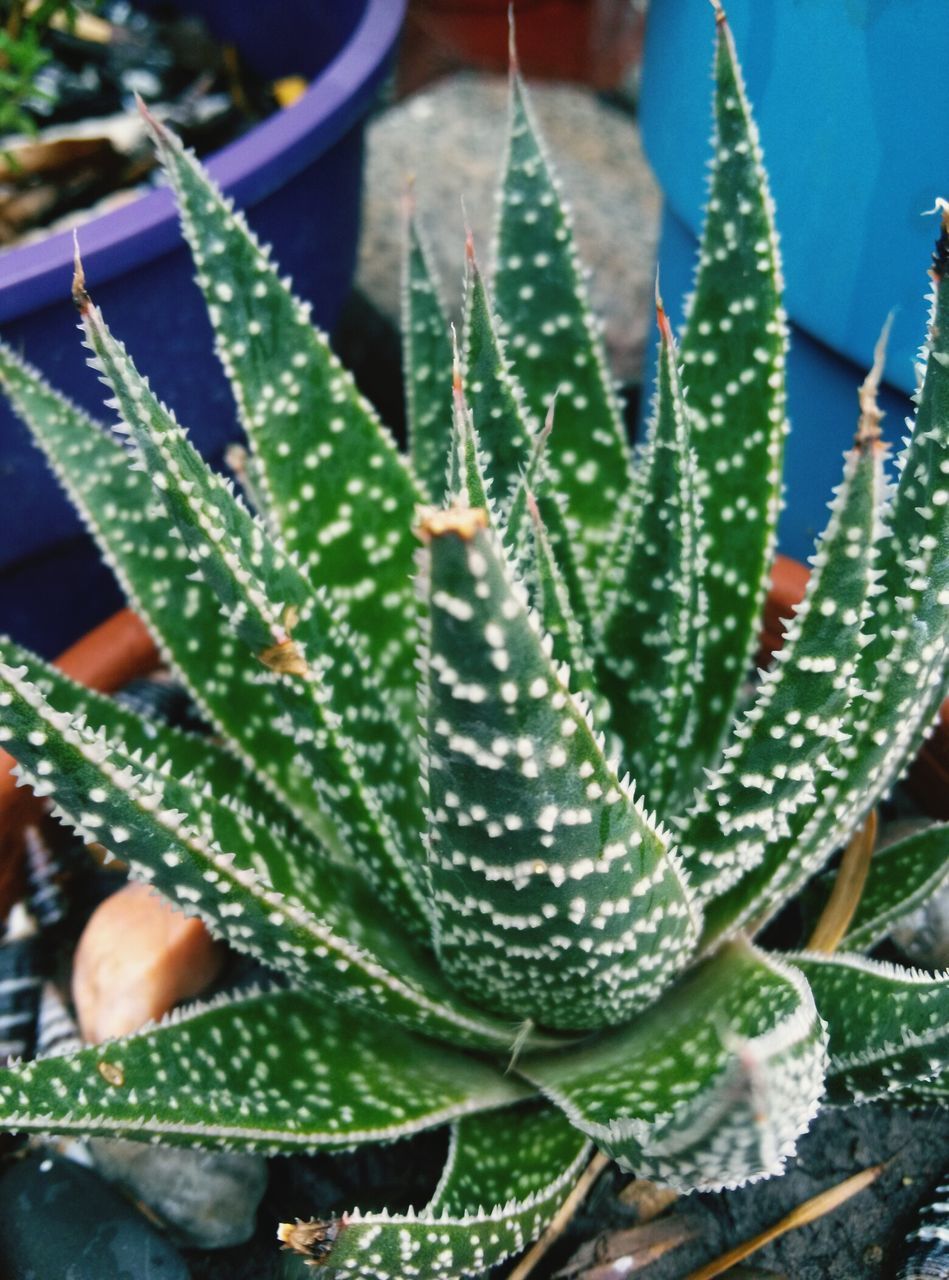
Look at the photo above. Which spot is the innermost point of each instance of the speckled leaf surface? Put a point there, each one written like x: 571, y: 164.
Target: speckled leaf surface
x: 652, y: 640
x: 733, y: 349
x: 138, y: 541
x: 707, y: 1089
x: 902, y: 877
x: 903, y: 667
x: 556, y: 896
x: 780, y: 757
x: 552, y: 338
x: 271, y: 1071
x: 330, y: 474
x: 495, y: 1196
x: 318, y: 925
x: 201, y: 759
x: 888, y: 1027
x: 496, y: 399
x: 555, y: 612
x: 485, y: 1168
x: 338, y: 726
x: 426, y: 357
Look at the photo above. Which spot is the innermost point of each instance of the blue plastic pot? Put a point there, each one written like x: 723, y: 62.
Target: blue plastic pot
x: 851, y: 105
x: 298, y: 177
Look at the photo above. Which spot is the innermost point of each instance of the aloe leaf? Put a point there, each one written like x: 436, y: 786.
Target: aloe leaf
x: 203, y: 760
x: 337, y: 720
x: 652, y: 641
x: 711, y: 1087
x: 468, y: 481
x: 484, y: 1167
x: 556, y: 896
x: 120, y: 508
x: 458, y: 1234
x: 903, y: 667
x: 780, y: 755
x: 494, y: 396
x: 281, y: 904
x: 888, y: 1027
x: 733, y: 350
x: 270, y: 1071
x: 552, y: 339
x: 902, y: 876
x: 426, y: 354
x: 535, y: 504
x: 329, y: 472
x: 554, y: 607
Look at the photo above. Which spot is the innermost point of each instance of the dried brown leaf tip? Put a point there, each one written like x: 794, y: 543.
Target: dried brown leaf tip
x: 464, y: 522
x: 80, y: 294
x: 312, y: 1239
x: 283, y: 656
x: 871, y: 415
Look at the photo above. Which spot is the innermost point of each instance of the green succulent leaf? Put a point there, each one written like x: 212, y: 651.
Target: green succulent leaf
x: 495, y: 397
x: 888, y: 1028
x: 897, y: 694
x: 556, y: 896
x: 706, y: 1089
x: 780, y: 758
x: 902, y: 876
x: 554, y: 607
x: 270, y: 1071
x: 456, y: 1235
x: 733, y: 350
x: 652, y: 640
x: 181, y: 754
x: 338, y: 724
x: 330, y: 475
x: 139, y: 542
x: 552, y: 340
x: 278, y: 902
x: 426, y: 354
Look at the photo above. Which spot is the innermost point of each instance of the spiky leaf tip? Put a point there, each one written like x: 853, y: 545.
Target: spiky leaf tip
x: 552, y: 338
x: 332, y: 480
x: 733, y: 350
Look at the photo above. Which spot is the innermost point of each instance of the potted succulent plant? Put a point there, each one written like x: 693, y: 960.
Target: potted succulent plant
x: 534, y: 920
x: 306, y: 157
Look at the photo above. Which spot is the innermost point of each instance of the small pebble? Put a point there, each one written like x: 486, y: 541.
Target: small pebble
x: 207, y: 1199
x: 923, y: 935
x: 137, y: 958
x: 58, y: 1219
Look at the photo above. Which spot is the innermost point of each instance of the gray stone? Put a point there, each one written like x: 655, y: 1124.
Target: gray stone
x: 208, y: 1199
x: 451, y: 139
x: 60, y: 1220
x: 923, y: 935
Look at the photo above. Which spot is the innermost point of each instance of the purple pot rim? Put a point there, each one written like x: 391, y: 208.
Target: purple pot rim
x: 248, y: 170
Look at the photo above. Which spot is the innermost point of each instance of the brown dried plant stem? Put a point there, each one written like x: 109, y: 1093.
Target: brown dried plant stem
x: 848, y: 887
x: 824, y: 1202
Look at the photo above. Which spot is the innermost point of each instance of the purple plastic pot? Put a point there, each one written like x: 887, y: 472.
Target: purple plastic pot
x: 298, y: 177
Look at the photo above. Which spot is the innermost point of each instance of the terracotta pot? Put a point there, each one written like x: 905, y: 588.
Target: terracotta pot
x: 105, y: 659
x: 593, y: 42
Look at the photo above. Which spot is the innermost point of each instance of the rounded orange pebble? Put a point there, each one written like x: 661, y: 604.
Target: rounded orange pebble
x: 137, y: 958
